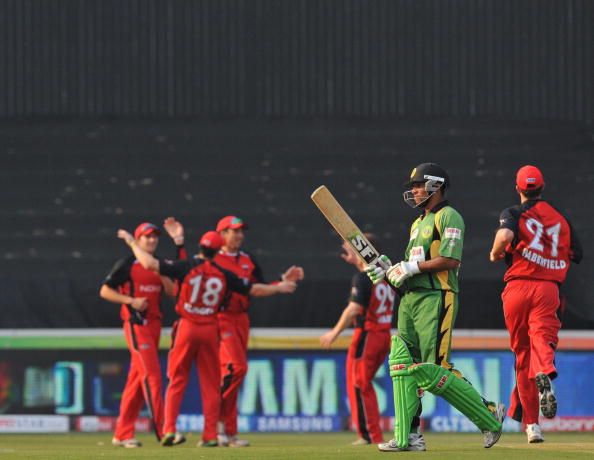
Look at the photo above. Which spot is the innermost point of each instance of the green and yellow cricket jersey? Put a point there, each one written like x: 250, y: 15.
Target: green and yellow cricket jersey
x: 437, y: 233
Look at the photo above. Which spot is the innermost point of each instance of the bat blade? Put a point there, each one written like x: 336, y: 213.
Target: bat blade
x: 344, y: 225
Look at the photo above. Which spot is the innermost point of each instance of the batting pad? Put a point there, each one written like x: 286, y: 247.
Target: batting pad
x: 458, y: 392
x: 406, y: 401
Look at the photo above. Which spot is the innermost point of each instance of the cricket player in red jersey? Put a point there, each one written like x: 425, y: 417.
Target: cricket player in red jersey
x: 139, y: 291
x: 538, y: 244
x: 370, y: 310
x: 234, y: 322
x: 204, y: 285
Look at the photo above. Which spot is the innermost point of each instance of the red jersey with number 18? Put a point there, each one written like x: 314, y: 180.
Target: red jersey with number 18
x: 204, y: 287
x: 543, y: 244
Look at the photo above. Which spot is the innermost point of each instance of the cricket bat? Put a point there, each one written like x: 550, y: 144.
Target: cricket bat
x: 344, y: 225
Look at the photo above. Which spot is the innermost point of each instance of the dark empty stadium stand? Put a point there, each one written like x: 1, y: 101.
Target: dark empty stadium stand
x: 67, y: 186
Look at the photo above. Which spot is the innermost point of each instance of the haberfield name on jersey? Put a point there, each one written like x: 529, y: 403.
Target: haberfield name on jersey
x: 198, y: 310
x: 149, y: 288
x: 551, y: 264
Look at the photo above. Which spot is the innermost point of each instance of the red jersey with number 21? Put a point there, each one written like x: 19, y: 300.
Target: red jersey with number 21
x: 542, y: 246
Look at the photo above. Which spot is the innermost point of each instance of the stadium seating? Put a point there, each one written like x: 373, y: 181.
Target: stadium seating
x: 67, y: 187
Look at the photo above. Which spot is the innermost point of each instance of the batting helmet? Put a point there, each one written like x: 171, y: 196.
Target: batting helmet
x: 432, y: 175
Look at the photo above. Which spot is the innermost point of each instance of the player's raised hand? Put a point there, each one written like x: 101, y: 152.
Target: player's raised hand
x: 327, y: 339
x: 287, y: 287
x: 376, y: 273
x: 293, y: 273
x: 400, y: 272
x: 125, y: 235
x: 174, y: 229
x: 349, y: 256
x: 139, y: 303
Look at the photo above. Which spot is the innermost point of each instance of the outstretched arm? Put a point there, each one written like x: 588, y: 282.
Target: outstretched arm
x: 346, y: 319
x: 265, y: 290
x: 503, y: 237
x: 146, y: 260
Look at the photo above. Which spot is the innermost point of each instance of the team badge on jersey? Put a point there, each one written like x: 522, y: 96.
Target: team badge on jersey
x: 427, y: 232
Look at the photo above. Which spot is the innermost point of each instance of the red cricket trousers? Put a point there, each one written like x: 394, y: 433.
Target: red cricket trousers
x: 365, y: 355
x: 194, y: 343
x: 530, y: 308
x: 235, y: 332
x: 144, y: 378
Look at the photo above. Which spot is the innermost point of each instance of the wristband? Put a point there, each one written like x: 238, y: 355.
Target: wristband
x: 413, y: 267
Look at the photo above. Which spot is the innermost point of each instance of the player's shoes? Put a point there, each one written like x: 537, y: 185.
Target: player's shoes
x: 546, y: 395
x: 209, y: 443
x: 234, y: 441
x: 390, y: 446
x: 534, y: 433
x: 172, y: 439
x: 491, y: 437
x: 127, y: 443
x: 416, y: 442
x: 360, y: 442
x: 223, y: 440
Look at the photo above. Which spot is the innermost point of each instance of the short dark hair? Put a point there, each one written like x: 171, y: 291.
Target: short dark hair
x: 534, y: 193
x: 209, y: 253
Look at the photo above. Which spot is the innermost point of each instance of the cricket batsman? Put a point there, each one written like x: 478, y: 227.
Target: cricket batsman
x: 428, y: 280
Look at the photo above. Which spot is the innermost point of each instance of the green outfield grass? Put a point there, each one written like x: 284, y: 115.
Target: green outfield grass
x: 298, y: 446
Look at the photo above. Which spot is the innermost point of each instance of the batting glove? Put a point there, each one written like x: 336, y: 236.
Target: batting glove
x: 402, y: 271
x: 376, y: 273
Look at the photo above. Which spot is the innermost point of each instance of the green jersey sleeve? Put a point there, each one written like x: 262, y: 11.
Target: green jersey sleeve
x: 450, y: 226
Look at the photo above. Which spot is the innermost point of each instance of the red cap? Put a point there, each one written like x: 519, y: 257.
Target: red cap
x: 230, y: 222
x: 529, y: 178
x: 212, y: 240
x: 146, y: 228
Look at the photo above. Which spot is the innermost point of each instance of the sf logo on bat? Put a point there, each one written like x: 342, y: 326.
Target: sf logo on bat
x: 363, y: 247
